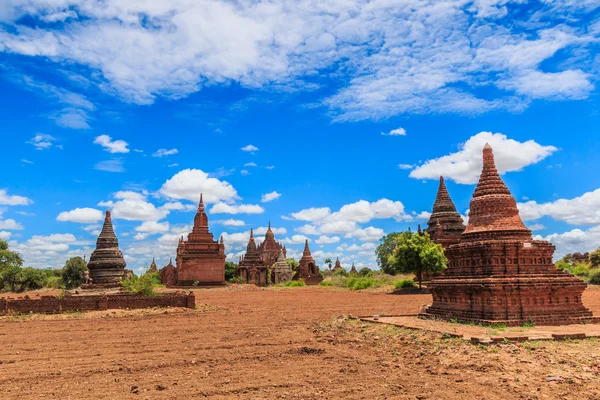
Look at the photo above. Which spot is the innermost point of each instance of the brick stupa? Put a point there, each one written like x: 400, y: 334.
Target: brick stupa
x: 106, y: 266
x: 269, y: 249
x: 338, y: 265
x: 498, y: 273
x: 200, y: 260
x: 445, y: 225
x: 282, y: 271
x: 307, y: 268
x: 251, y: 267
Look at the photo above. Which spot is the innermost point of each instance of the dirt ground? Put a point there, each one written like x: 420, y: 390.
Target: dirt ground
x: 288, y: 343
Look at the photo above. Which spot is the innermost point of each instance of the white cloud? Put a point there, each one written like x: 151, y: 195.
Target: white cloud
x: 54, y: 242
x: 250, y: 148
x: 173, y: 165
x: 245, y: 172
x: 465, y: 165
x: 277, y: 231
x: 178, y: 206
x: 133, y: 206
x: 5, y: 235
x: 311, y: 214
x: 10, y: 224
x: 224, y: 208
x: 13, y: 200
x: 370, y: 234
x: 112, y: 146
x: 406, y: 166
x: 189, y: 183
x: 269, y: 167
x: 152, y: 227
x: 327, y: 239
x: 363, y: 211
x: 552, y: 85
x: 82, y: 215
x: 41, y: 141
x: 114, y: 165
x: 233, y: 222
x: 337, y: 227
x: 536, y: 227
x: 295, y: 239
x: 395, y: 132
x: 27, y: 161
x: 584, y: 209
x: 576, y: 240
x: 265, y: 198
x: 250, y: 164
x: 164, y: 152
x: 308, y: 229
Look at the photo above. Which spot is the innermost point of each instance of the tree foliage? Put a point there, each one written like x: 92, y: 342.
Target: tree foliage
x: 365, y: 271
x: 418, y: 254
x: 292, y: 263
x: 144, y: 284
x: 73, y: 272
x: 229, y: 271
x: 384, y: 251
x: 595, y: 258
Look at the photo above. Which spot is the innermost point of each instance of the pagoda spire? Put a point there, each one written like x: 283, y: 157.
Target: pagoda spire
x: 201, y: 219
x: 443, y: 202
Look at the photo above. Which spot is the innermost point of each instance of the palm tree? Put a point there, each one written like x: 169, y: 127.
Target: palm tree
x: 328, y: 261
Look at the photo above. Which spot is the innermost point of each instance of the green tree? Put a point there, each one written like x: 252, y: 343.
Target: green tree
x: 417, y: 254
x: 73, y: 272
x: 595, y: 258
x: 229, y: 271
x: 365, y: 271
x: 328, y: 262
x: 384, y: 251
x: 10, y: 268
x: 292, y: 263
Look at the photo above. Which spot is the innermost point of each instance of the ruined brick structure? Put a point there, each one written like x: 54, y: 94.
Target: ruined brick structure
x: 282, y: 271
x: 269, y: 249
x: 307, y: 268
x: 579, y: 258
x: 251, y: 267
x: 498, y: 273
x: 106, y: 266
x: 445, y: 225
x: 200, y: 259
x: 338, y: 265
x: 353, y: 269
x: 153, y: 267
x: 168, y: 275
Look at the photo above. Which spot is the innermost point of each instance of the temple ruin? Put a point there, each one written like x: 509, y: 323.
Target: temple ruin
x: 269, y: 249
x: 307, y: 268
x: 106, y: 265
x: 251, y: 268
x: 445, y: 225
x: 281, y: 271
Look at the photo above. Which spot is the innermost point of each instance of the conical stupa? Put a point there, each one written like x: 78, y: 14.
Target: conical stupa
x: 307, y: 268
x: 106, y: 264
x: 444, y: 212
x: 498, y: 273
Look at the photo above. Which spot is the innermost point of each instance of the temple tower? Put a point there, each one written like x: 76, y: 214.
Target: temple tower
x: 497, y: 273
x: 338, y: 265
x: 251, y: 268
x: 307, y: 268
x: 106, y: 265
x: 282, y: 271
x: 269, y: 249
x: 444, y: 213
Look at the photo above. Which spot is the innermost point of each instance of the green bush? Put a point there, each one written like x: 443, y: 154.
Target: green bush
x: 326, y: 283
x: 359, y: 283
x: 580, y: 270
x: 298, y: 283
x: 404, y: 283
x: 595, y: 277
x: 341, y: 272
x: 365, y: 271
x: 73, y: 272
x: 143, y: 284
x: 54, y: 282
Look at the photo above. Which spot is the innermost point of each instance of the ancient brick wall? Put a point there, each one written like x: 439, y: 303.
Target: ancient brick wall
x: 55, y: 305
x: 203, y: 270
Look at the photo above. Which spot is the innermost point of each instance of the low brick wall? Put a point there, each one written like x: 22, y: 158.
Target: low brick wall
x: 56, y: 305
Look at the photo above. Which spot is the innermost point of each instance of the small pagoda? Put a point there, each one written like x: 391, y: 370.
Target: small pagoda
x: 153, y: 267
x: 307, y: 268
x: 106, y: 265
x: 353, y: 269
x: 338, y: 265
x: 200, y: 259
x: 497, y: 273
x: 282, y: 271
x: 251, y: 268
x: 445, y: 225
x: 269, y: 249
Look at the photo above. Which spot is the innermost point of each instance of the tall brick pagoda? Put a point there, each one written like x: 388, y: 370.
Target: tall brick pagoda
x: 106, y: 265
x: 307, y: 268
x: 269, y: 249
x: 498, y: 273
x: 353, y: 270
x: 338, y: 265
x: 444, y: 214
x: 200, y: 259
x: 251, y: 267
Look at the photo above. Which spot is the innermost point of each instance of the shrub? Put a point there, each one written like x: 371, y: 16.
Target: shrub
x: 404, y: 283
x: 54, y: 282
x: 298, y: 283
x: 341, y: 272
x: 326, y: 283
x: 581, y: 270
x: 595, y: 277
x: 365, y: 271
x: 143, y: 285
x: 359, y: 283
x: 73, y: 273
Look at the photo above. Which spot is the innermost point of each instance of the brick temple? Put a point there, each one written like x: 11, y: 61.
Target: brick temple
x: 106, y: 265
x: 269, y: 249
x: 200, y: 259
x: 307, y: 268
x: 445, y: 226
x: 251, y: 267
x: 338, y: 265
x: 497, y: 273
x: 282, y: 271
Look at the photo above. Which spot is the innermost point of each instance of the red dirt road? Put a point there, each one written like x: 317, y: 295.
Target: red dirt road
x: 267, y: 344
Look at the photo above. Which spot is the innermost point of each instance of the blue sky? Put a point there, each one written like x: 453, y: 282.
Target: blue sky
x: 333, y: 121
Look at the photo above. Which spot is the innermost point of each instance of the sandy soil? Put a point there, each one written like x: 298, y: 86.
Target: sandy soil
x: 280, y: 344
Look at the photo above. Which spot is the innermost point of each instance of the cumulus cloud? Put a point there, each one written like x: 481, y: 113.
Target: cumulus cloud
x: 224, y: 208
x: 576, y: 240
x: 370, y: 234
x: 395, y: 132
x: 406, y: 166
x: 311, y: 214
x: 152, y: 227
x: 233, y: 222
x: 42, y: 141
x: 5, y: 235
x: 263, y: 229
x: 327, y: 239
x: 10, y: 224
x: 308, y: 229
x: 82, y: 215
x: 133, y: 206
x: 164, y: 152
x: 189, y: 183
x: 250, y: 148
x: 464, y: 166
x: 112, y: 146
x: 265, y: 198
x: 13, y: 200
x: 584, y: 209
x: 295, y: 239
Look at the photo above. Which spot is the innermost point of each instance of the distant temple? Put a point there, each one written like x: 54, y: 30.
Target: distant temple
x: 353, y: 269
x: 307, y: 268
x: 270, y: 248
x: 445, y: 224
x: 282, y: 271
x: 497, y: 273
x: 338, y: 265
x: 153, y: 267
x: 106, y: 265
x: 200, y: 260
x: 251, y: 268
